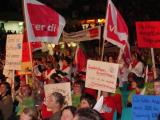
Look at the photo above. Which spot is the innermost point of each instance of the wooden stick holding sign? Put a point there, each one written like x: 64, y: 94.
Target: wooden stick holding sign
x: 103, y: 45
x: 153, y: 64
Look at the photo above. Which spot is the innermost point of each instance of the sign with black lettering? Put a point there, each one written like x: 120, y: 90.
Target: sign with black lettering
x: 145, y: 107
x: 13, y: 59
x: 148, y: 34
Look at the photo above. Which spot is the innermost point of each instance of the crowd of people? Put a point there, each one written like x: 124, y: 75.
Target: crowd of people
x: 28, y: 102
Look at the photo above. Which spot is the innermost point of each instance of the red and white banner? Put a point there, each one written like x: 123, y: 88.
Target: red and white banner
x: 83, y: 35
x: 43, y: 23
x: 116, y: 31
x: 148, y: 34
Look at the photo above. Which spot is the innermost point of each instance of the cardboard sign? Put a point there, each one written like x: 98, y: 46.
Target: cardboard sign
x: 83, y: 35
x: 148, y: 34
x: 63, y: 88
x: 145, y: 107
x: 14, y: 52
x: 101, y: 76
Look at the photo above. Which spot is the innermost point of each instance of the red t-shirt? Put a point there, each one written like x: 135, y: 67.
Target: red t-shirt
x: 45, y: 113
x: 108, y: 108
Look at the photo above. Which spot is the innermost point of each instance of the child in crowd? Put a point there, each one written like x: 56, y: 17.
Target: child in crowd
x: 157, y: 87
x: 68, y: 113
x: 87, y: 101
x: 29, y: 114
x: 25, y: 99
x: 108, y: 107
x: 136, y: 84
x: 78, y: 87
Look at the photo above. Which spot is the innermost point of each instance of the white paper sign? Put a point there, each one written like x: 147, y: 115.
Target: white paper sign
x: 63, y: 88
x: 101, y: 76
x: 14, y: 52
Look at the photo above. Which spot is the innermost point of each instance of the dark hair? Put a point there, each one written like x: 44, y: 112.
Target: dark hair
x: 89, y: 98
x: 8, y: 87
x: 139, y: 81
x: 81, y: 83
x: 88, y: 114
x: 157, y: 79
x: 67, y: 59
x: 2, y: 77
x: 72, y: 109
x: 59, y: 98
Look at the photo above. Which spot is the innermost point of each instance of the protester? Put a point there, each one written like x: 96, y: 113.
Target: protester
x: 25, y: 99
x: 157, y: 87
x: 78, y: 88
x: 108, y: 107
x: 117, y: 97
x: 137, y: 84
x: 66, y: 67
x: 55, y: 102
x: 136, y: 65
x: 29, y: 114
x: 6, y: 103
x: 87, y: 114
x: 68, y: 113
x: 87, y: 101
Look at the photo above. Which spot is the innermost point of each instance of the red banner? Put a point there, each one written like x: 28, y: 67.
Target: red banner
x: 42, y: 22
x: 148, y: 34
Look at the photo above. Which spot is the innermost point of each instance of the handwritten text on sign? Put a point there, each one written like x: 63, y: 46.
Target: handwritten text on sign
x: 14, y: 52
x: 145, y: 107
x: 148, y: 34
x: 101, y: 76
x: 63, y: 88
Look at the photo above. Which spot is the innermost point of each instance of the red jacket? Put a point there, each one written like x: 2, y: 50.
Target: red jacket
x: 108, y: 108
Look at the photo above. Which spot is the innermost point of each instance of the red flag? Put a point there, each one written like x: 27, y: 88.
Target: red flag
x: 116, y: 30
x: 80, y: 59
x: 43, y: 23
x: 34, y: 45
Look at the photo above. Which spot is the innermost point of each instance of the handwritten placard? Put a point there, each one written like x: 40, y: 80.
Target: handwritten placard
x: 145, y: 107
x: 14, y: 52
x: 101, y: 76
x: 63, y: 88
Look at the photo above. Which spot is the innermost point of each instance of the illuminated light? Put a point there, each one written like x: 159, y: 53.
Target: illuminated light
x: 20, y: 23
x: 53, y: 45
x: 69, y: 45
x: 91, y: 21
x: 62, y: 46
x: 73, y: 44
x: 101, y: 20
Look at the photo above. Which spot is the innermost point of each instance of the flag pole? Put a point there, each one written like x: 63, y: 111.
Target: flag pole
x: 153, y: 63
x: 29, y: 45
x: 12, y: 87
x: 99, y: 92
x: 99, y: 50
x: 102, y: 50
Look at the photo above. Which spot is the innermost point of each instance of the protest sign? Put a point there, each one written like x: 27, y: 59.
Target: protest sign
x: 101, y: 76
x: 14, y: 52
x: 148, y: 34
x: 145, y: 107
x: 63, y: 88
x: 83, y: 35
